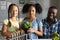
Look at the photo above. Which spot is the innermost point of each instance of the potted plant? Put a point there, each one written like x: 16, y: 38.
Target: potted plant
x: 55, y: 36
x: 26, y: 26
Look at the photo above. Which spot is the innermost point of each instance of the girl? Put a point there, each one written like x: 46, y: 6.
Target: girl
x: 11, y: 25
x: 36, y: 27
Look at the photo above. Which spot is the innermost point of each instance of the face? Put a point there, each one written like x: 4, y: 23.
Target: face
x: 31, y: 11
x: 52, y: 13
x: 14, y: 11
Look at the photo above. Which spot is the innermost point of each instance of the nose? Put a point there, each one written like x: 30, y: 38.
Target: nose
x: 14, y: 12
x: 51, y: 14
x: 30, y: 12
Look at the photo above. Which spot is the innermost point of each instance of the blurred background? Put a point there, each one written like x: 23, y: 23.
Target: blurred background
x: 44, y: 3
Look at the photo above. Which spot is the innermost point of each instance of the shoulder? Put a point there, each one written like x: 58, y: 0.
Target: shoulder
x: 56, y: 21
x: 5, y: 21
x: 59, y: 21
x: 39, y: 22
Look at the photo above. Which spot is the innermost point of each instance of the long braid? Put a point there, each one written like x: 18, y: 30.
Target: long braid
x: 9, y: 23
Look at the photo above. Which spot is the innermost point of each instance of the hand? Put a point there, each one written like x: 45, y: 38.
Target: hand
x: 8, y: 34
x: 18, y: 31
x: 31, y: 30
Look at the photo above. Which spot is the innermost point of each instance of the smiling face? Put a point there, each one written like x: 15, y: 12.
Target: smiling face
x: 52, y: 13
x: 14, y: 11
x: 31, y: 11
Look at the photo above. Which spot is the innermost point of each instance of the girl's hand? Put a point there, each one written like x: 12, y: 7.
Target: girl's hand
x: 18, y: 31
x: 8, y: 34
x: 31, y: 30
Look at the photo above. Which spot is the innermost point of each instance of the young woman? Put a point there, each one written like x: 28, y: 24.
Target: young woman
x: 36, y: 27
x: 11, y: 25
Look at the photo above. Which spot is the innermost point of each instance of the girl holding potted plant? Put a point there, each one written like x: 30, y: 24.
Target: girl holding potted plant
x: 33, y: 25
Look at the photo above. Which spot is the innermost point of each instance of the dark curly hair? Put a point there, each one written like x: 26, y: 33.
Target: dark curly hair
x: 27, y: 6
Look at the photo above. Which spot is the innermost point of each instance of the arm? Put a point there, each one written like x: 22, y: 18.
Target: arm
x: 39, y: 32
x: 18, y: 30
x: 5, y: 32
x: 40, y: 28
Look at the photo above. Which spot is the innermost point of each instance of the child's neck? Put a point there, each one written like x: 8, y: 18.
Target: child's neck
x: 14, y: 19
x: 31, y: 18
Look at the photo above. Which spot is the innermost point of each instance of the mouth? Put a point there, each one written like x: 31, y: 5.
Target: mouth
x: 51, y: 17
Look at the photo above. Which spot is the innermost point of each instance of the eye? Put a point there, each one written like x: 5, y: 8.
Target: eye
x: 32, y: 10
x: 15, y: 10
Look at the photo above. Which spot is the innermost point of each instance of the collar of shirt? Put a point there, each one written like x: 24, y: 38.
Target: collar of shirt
x: 55, y: 21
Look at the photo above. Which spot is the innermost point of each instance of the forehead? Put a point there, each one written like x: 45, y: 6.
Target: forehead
x: 53, y: 10
x: 32, y: 7
x: 14, y: 7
